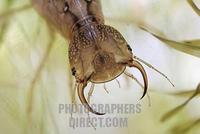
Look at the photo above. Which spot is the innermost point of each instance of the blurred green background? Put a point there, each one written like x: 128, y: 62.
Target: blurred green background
x: 35, y: 76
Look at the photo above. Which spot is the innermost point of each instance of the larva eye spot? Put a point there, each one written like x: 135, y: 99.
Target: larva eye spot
x: 129, y: 48
x: 73, y: 71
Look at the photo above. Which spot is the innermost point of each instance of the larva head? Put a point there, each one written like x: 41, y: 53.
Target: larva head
x: 100, y: 53
x: 100, y: 56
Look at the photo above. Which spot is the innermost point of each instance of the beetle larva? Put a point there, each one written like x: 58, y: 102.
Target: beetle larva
x: 97, y: 52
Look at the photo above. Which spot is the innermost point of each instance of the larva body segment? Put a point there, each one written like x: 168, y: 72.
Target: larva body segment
x: 97, y: 53
x: 64, y: 14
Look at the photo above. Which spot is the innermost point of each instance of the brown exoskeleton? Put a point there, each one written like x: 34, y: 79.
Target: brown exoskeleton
x: 97, y: 52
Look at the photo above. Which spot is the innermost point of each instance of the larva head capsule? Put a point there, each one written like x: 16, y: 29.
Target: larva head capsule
x: 98, y: 54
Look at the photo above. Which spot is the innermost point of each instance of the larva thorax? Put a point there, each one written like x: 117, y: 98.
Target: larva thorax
x: 67, y: 15
x: 83, y: 14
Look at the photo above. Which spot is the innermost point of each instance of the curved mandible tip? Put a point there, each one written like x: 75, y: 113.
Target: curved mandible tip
x: 137, y: 65
x: 83, y: 100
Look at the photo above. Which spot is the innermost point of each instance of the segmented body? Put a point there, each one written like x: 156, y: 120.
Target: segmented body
x: 98, y: 53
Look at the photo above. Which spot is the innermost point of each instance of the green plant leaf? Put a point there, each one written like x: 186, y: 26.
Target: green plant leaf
x: 191, y: 47
x: 174, y: 111
x: 5, y: 24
